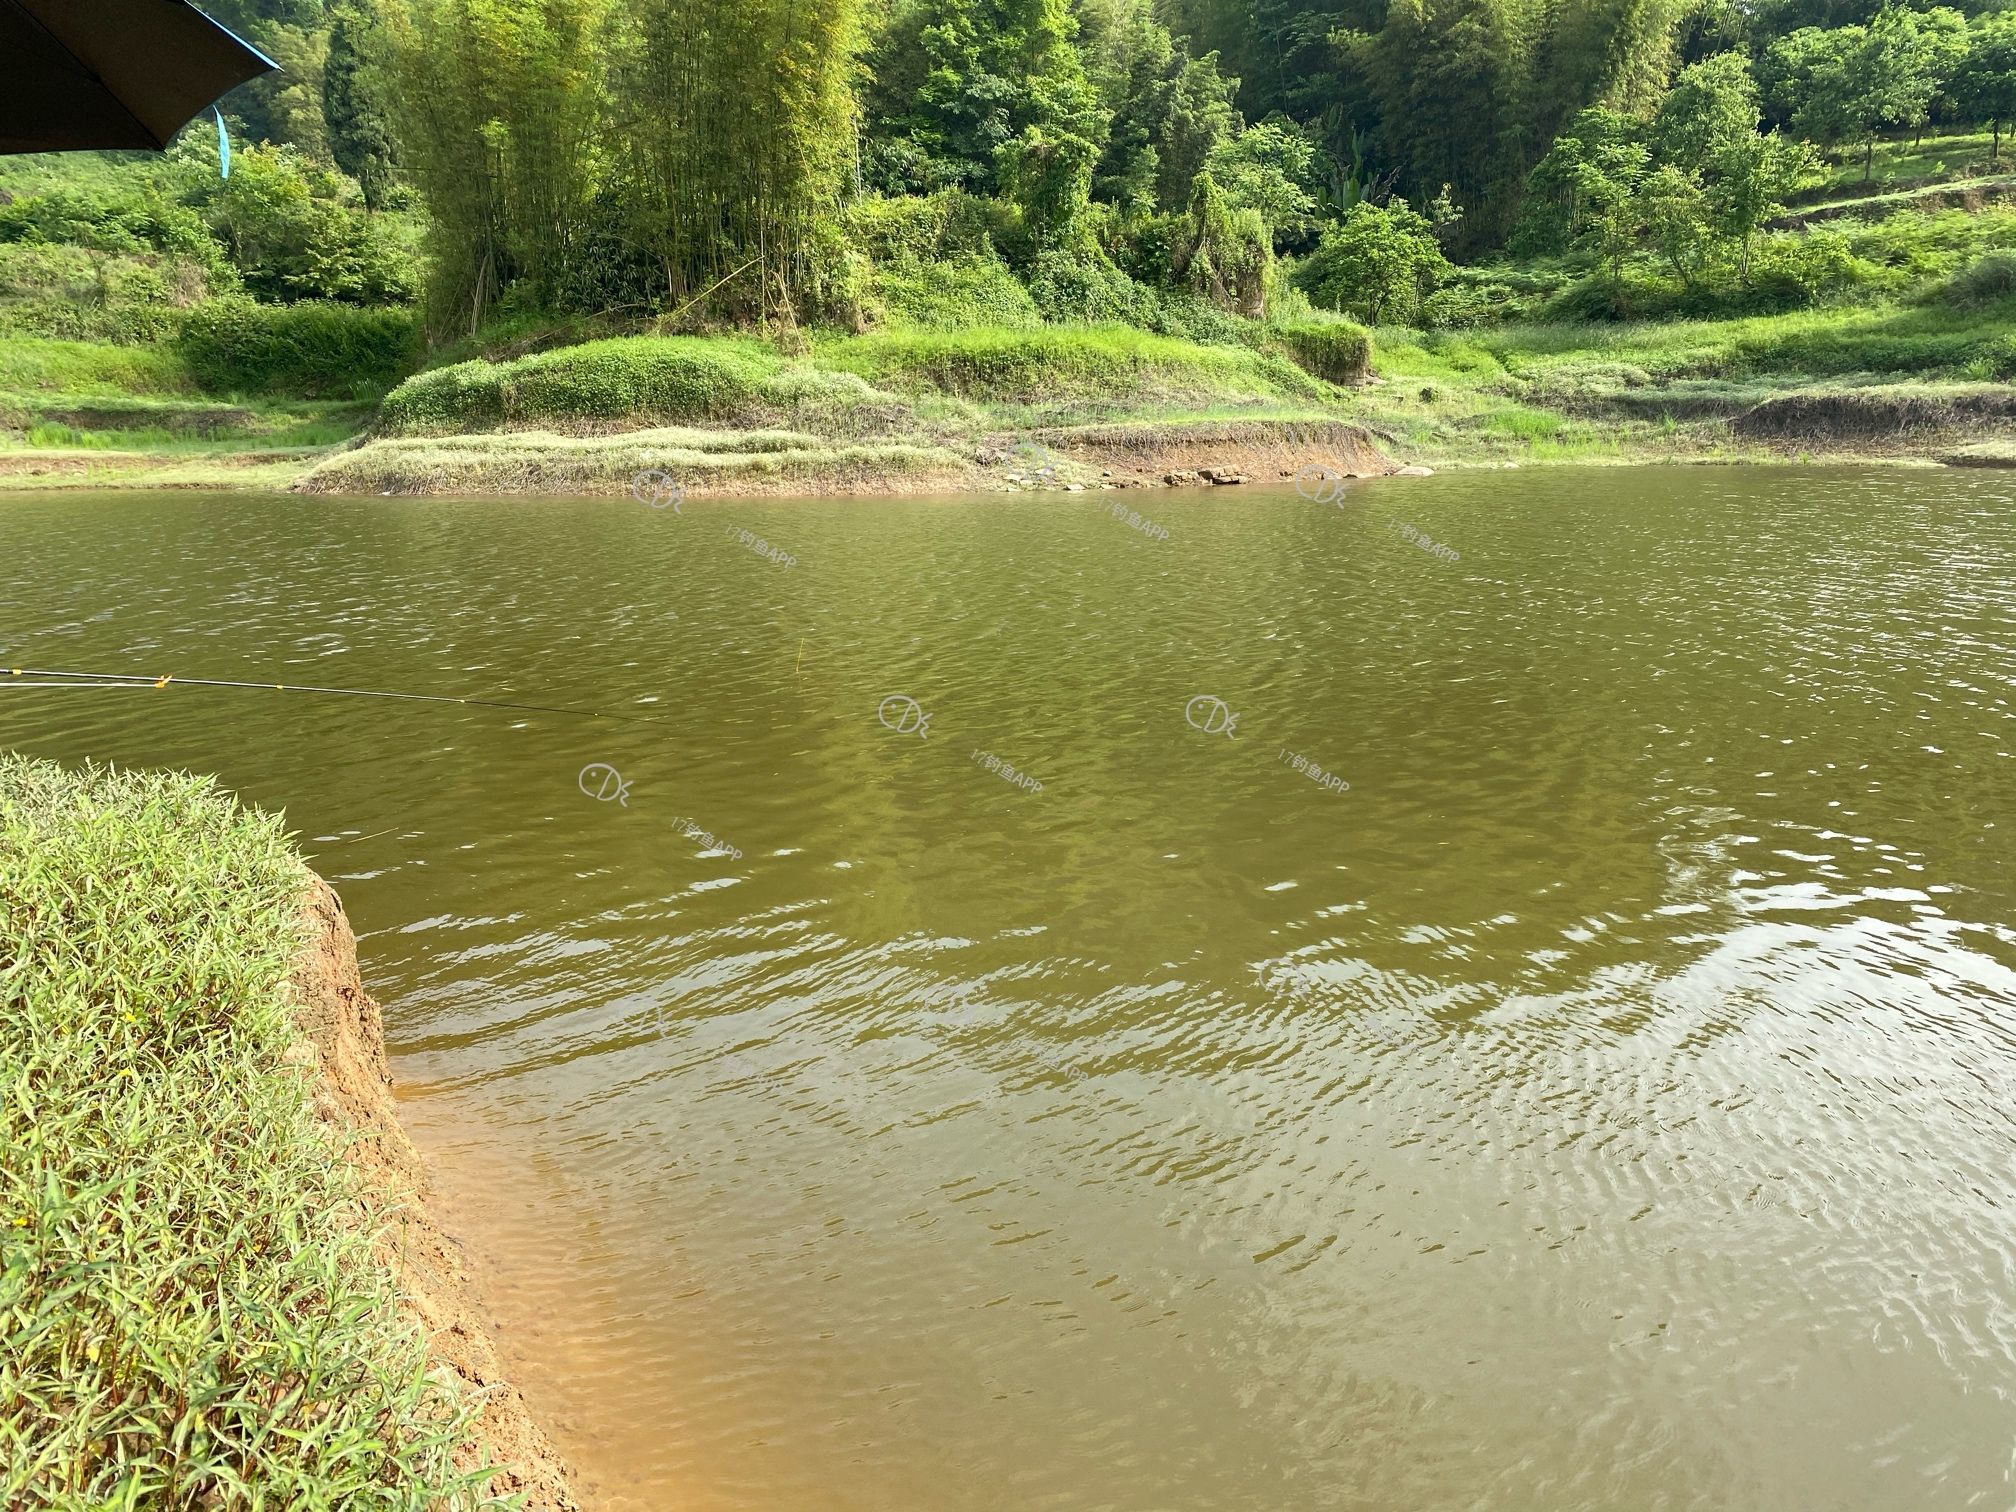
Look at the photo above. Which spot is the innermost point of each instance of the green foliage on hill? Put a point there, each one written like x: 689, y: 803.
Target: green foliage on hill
x: 997, y: 201
x: 313, y: 348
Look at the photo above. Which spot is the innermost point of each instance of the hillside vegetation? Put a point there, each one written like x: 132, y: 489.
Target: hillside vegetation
x: 1487, y: 232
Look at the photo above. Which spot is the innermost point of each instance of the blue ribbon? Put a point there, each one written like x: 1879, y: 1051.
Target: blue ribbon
x: 223, y: 145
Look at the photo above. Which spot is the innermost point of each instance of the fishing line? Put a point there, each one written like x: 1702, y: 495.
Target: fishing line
x: 145, y: 680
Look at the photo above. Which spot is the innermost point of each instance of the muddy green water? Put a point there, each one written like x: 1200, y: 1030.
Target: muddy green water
x: 1605, y: 1102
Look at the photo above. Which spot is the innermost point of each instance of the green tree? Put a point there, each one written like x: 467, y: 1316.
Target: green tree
x: 285, y: 105
x: 1671, y: 206
x: 1048, y: 176
x: 1566, y: 185
x: 1379, y: 262
x: 1707, y: 128
x: 1750, y: 177
x: 1266, y: 169
x: 353, y: 106
x: 1200, y: 118
x: 1224, y: 253
x: 1450, y: 81
x: 1984, y: 86
x: 1608, y: 183
x: 282, y: 224
x: 1847, y: 84
x: 500, y: 108
x: 1711, y: 104
x: 1130, y: 58
x: 960, y: 79
x: 1617, y: 53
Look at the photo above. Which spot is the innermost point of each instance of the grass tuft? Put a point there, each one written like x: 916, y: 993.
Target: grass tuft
x: 190, y: 1313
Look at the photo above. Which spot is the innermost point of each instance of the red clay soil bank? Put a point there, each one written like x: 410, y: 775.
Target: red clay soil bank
x: 345, y: 1037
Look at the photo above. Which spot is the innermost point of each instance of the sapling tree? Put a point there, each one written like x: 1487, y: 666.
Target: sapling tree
x: 1378, y: 263
x: 1266, y: 169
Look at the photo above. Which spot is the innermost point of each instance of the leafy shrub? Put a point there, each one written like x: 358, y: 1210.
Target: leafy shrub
x: 964, y: 290
x: 292, y: 229
x: 1145, y: 247
x: 1270, y: 169
x: 1336, y: 350
x: 1795, y: 271
x: 1457, y: 306
x: 313, y: 348
x: 838, y: 284
x: 1789, y: 271
x: 922, y: 227
x: 1925, y: 245
x: 288, y: 228
x: 1223, y: 253
x: 74, y: 293
x: 1378, y: 263
x: 1598, y: 298
x: 671, y: 379
x: 1086, y: 289
x: 1988, y: 280
x: 1191, y: 317
x: 127, y: 217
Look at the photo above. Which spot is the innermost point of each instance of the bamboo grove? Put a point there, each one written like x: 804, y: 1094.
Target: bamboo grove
x: 745, y: 159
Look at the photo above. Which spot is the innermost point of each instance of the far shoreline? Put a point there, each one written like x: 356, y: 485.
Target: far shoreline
x: 542, y: 467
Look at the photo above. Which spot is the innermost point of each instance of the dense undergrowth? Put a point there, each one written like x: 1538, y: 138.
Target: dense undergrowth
x: 1548, y: 357
x: 190, y: 1313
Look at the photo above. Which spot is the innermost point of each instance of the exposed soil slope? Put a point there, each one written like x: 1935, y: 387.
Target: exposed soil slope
x: 345, y: 1040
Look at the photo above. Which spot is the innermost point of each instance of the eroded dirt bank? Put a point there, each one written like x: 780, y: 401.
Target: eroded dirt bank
x: 345, y: 1038
x: 725, y: 463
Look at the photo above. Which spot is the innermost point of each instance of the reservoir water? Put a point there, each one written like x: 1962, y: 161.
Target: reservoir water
x: 1495, y: 992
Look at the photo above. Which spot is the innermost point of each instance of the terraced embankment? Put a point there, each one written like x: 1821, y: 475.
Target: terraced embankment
x: 898, y: 413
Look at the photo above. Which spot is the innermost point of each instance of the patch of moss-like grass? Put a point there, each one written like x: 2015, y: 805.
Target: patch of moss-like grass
x: 190, y: 1312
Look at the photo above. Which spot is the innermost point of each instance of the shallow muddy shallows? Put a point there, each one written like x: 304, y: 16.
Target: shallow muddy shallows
x: 1492, y: 991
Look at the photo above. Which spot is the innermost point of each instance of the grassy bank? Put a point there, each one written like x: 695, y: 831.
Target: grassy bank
x: 190, y: 1312
x: 247, y: 397
x: 890, y: 410
x: 1699, y: 389
x: 911, y: 409
x: 1864, y: 291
